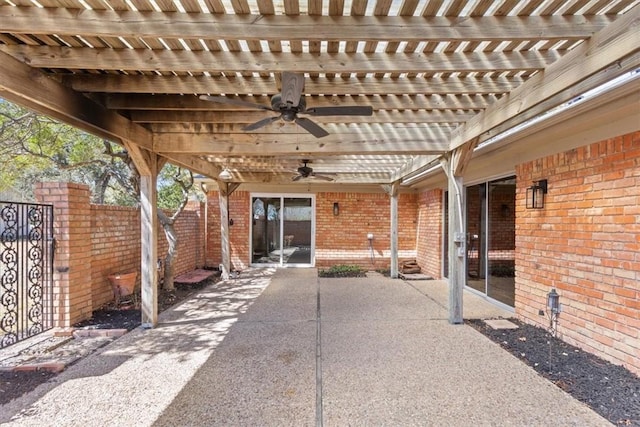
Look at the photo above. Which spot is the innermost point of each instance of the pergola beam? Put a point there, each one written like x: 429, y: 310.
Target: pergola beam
x: 194, y: 164
x: 377, y: 102
x: 118, y: 83
x: 401, y: 142
x: 609, y: 45
x: 183, y: 118
x: 125, y: 23
x: 34, y: 89
x: 79, y: 58
x: 373, y: 130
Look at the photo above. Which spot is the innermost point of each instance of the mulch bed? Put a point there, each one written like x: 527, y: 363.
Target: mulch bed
x: 15, y: 384
x: 128, y: 317
x: 610, y: 390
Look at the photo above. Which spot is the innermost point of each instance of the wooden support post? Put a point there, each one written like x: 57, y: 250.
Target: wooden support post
x: 147, y: 164
x: 226, y: 189
x: 225, y: 267
x: 393, y: 190
x: 457, y: 249
x: 454, y: 165
x: 149, y: 250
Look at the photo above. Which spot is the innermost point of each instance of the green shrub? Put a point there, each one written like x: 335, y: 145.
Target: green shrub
x: 342, y: 270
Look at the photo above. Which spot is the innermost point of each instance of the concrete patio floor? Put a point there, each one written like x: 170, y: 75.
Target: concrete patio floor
x: 284, y: 348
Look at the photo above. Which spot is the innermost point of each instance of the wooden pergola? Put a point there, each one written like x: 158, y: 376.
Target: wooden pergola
x: 442, y: 77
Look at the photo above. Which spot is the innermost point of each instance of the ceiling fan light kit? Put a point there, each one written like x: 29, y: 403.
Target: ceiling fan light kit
x: 305, y: 171
x: 225, y: 175
x: 290, y: 103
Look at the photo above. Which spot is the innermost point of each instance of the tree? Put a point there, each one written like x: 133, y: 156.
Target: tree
x: 177, y: 192
x: 35, y: 148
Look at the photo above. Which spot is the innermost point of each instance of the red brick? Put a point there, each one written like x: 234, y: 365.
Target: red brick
x: 593, y: 262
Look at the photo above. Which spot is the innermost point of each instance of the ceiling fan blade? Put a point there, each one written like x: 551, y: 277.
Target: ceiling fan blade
x: 345, y: 110
x: 311, y: 127
x: 261, y: 123
x: 230, y: 101
x: 296, y: 178
x: 292, y: 86
x: 322, y: 177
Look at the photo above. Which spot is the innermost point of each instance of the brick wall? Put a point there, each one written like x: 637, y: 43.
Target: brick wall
x: 115, y: 238
x: 115, y: 241
x: 340, y: 239
x: 586, y: 244
x: 429, y: 232
x: 95, y: 241
x: 238, y: 232
x: 239, y: 211
x: 72, y: 261
x: 189, y: 227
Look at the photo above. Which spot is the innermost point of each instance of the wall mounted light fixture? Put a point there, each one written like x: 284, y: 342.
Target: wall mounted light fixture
x: 535, y: 194
x: 553, y: 304
x: 336, y: 209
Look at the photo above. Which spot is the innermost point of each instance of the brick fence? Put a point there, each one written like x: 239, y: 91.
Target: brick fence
x: 95, y: 241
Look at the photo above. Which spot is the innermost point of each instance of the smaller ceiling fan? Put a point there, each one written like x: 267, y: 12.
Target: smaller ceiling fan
x: 291, y: 102
x: 305, y: 171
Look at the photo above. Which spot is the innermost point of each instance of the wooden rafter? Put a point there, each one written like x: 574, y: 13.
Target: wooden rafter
x: 377, y: 102
x: 113, y: 83
x: 611, y: 44
x: 437, y: 76
x: 450, y: 118
x: 202, y: 61
x: 401, y: 142
x: 34, y: 89
x: 104, y: 23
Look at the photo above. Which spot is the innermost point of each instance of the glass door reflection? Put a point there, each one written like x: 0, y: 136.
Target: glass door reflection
x: 266, y: 230
x: 282, y: 230
x: 297, y: 231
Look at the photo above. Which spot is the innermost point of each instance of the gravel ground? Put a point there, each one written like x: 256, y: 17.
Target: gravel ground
x: 610, y: 390
x: 15, y: 384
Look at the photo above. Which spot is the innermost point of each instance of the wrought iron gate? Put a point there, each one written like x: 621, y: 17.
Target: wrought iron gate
x: 26, y: 271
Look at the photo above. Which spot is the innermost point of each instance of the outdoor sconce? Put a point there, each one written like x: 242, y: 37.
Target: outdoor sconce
x: 336, y: 209
x: 535, y: 194
x: 553, y: 304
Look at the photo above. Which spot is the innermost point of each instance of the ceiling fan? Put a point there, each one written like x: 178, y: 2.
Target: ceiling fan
x: 289, y: 103
x: 305, y: 171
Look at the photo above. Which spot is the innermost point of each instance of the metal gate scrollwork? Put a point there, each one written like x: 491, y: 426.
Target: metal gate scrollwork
x: 26, y: 271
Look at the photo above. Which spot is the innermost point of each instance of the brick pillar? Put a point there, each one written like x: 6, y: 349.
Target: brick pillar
x: 72, y: 259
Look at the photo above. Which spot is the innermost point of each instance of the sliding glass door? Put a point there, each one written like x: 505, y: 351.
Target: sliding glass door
x: 282, y: 231
x: 297, y: 229
x: 265, y: 233
x: 501, y: 240
x: 490, y: 214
